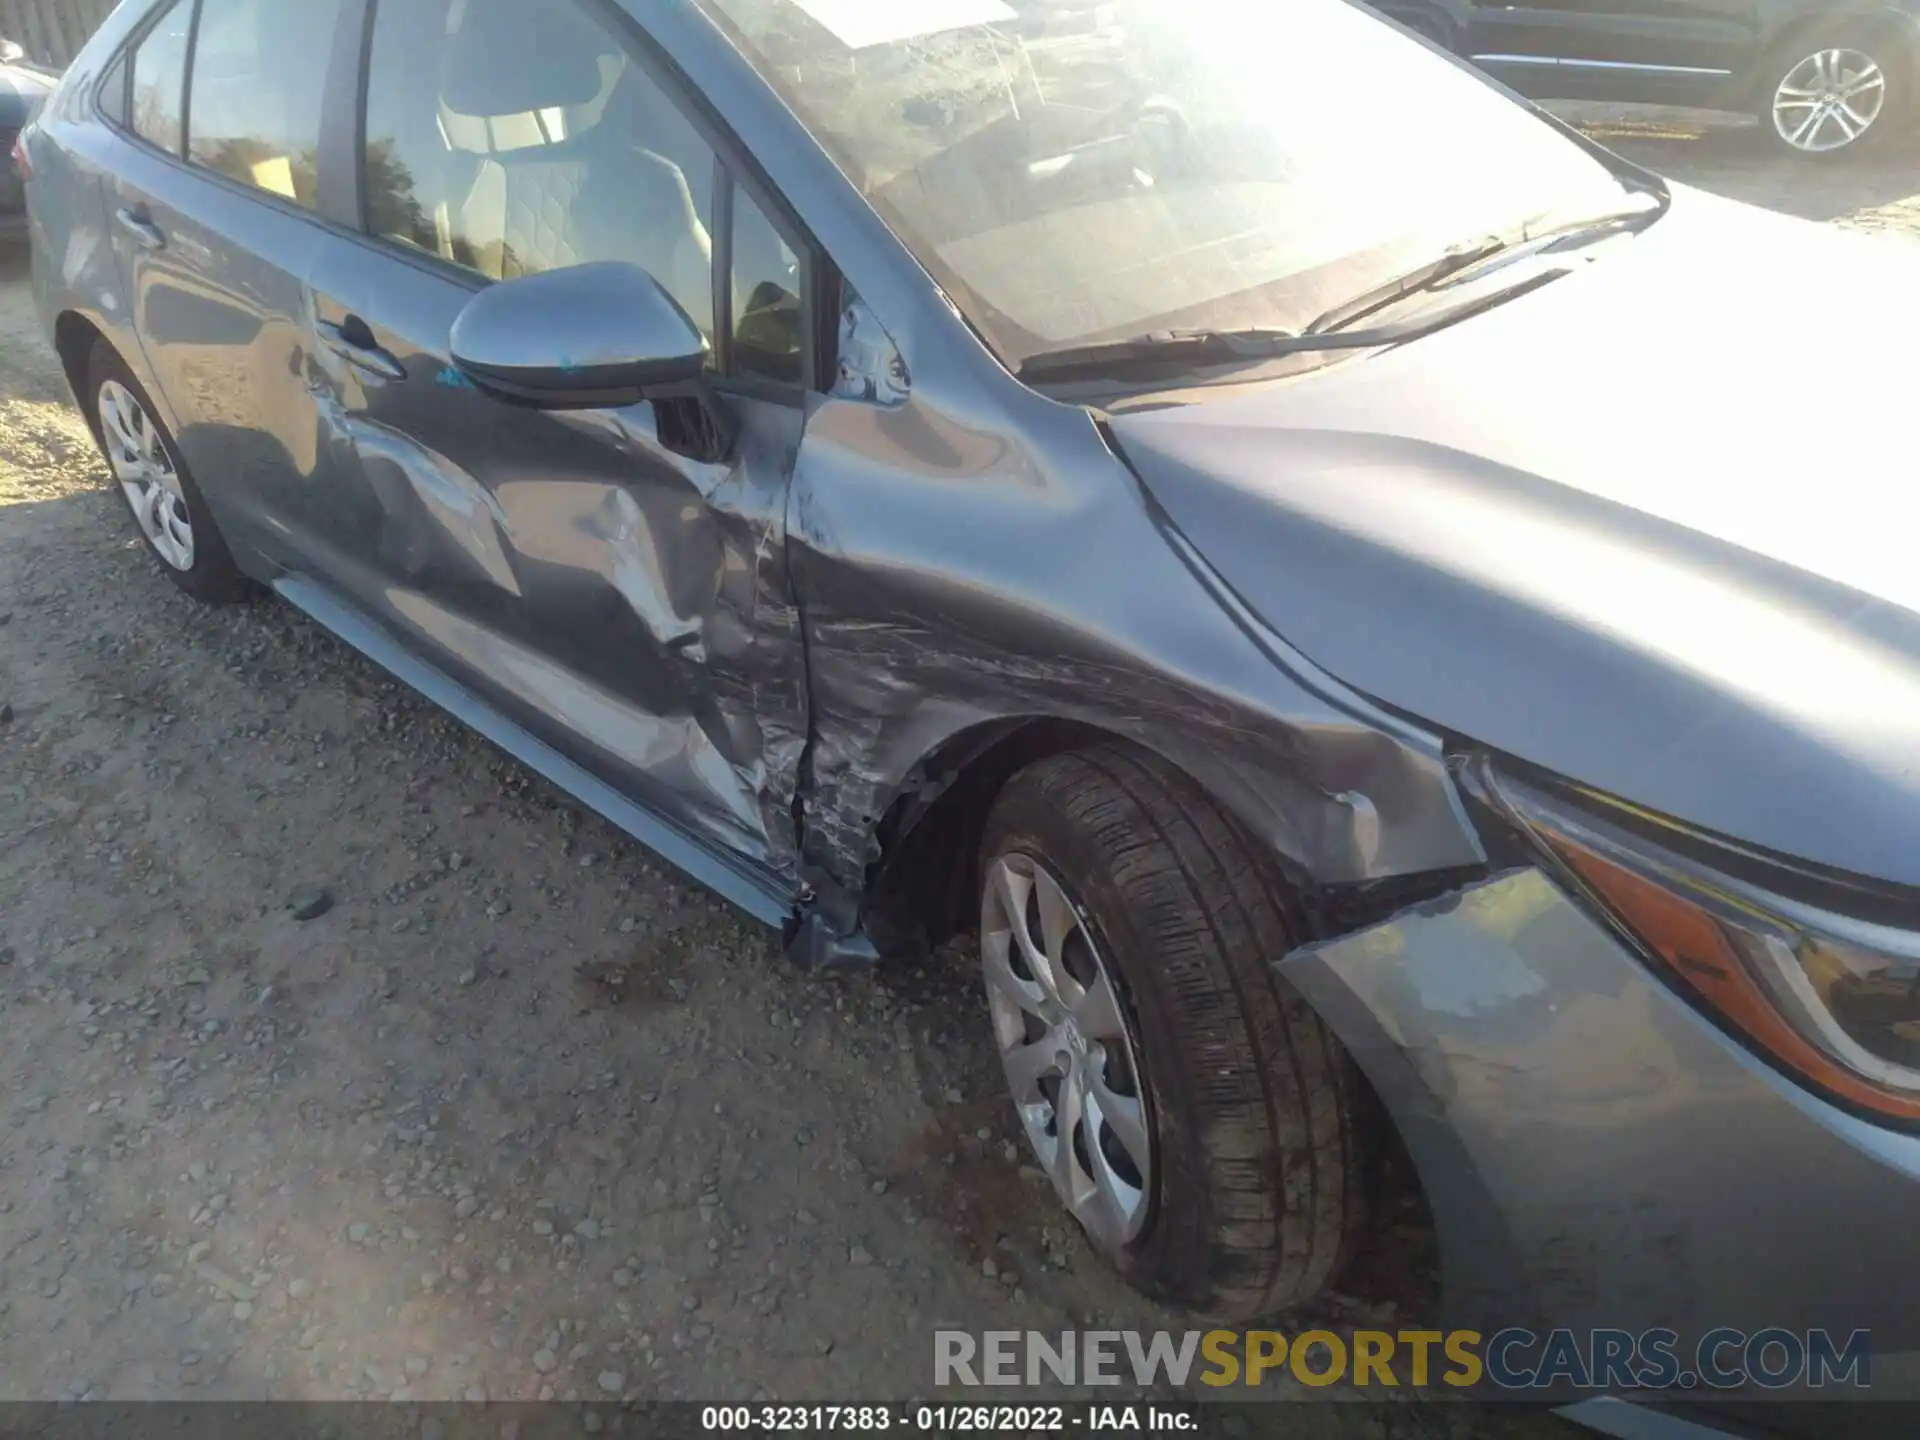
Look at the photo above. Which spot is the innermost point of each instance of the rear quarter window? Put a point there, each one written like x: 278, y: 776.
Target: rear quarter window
x: 113, y: 91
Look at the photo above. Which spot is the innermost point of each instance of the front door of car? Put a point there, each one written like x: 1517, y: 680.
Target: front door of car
x: 1678, y: 49
x: 213, y: 206
x: 589, y: 573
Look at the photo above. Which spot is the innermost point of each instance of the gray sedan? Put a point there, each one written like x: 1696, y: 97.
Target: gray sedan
x: 1359, y: 606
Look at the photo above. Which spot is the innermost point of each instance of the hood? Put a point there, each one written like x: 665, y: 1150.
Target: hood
x: 1655, y: 527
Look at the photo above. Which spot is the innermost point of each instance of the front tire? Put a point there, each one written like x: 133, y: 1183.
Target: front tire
x: 1190, y: 1109
x: 167, y: 506
x: 1834, y: 91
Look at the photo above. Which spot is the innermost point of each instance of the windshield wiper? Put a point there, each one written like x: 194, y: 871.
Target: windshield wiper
x: 1456, y: 260
x: 1451, y: 262
x: 1170, y: 352
x: 1166, y: 354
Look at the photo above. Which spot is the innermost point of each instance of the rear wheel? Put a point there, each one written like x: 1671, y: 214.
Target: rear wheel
x: 1190, y: 1110
x: 166, y: 505
x: 1833, y: 91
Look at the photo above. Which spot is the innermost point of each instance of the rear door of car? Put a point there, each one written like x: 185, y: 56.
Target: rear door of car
x: 1677, y: 50
x: 587, y: 573
x: 214, y: 203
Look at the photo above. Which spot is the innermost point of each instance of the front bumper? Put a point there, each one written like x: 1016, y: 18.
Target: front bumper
x: 1596, y: 1154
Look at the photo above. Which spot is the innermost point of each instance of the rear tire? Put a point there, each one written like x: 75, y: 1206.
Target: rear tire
x: 1834, y: 91
x: 1252, y: 1193
x: 167, y: 507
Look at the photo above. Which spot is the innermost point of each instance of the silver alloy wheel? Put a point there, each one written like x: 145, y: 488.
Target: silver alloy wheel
x: 1069, y: 1053
x: 141, y: 465
x: 1829, y: 100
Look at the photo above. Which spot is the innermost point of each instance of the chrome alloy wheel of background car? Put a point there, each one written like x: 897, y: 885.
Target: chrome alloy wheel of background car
x: 1829, y: 100
x: 1069, y: 1053
x: 145, y: 472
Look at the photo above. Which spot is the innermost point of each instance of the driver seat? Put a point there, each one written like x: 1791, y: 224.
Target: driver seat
x: 588, y: 191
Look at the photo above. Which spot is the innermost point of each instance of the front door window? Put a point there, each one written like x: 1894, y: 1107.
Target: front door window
x: 508, y: 168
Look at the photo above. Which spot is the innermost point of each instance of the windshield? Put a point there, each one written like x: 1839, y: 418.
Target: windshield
x: 1075, y: 171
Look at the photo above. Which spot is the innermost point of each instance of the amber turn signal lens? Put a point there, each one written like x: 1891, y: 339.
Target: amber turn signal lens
x: 1698, y: 952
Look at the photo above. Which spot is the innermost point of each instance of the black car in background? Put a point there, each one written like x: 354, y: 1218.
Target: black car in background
x: 22, y: 88
x: 1825, y: 77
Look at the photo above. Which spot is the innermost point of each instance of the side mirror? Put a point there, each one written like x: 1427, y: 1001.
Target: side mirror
x: 11, y: 53
x: 593, y: 336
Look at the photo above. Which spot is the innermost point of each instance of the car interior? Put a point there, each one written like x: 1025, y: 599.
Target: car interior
x: 543, y: 166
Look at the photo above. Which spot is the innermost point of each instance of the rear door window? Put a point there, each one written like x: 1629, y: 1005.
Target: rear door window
x: 160, y: 79
x: 259, y: 70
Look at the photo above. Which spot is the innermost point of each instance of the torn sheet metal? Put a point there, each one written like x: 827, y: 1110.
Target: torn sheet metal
x: 571, y: 568
x: 406, y: 481
x: 960, y: 574
x: 1589, y: 1144
x: 870, y: 366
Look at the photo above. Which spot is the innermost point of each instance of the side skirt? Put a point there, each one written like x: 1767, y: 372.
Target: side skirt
x: 744, y: 885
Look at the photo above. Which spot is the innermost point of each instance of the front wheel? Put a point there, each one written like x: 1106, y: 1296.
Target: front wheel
x: 1833, y: 92
x: 1192, y: 1113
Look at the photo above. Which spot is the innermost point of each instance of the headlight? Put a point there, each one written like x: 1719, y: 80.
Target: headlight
x: 1821, y: 973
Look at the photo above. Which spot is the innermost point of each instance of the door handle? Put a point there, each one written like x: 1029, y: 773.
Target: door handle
x: 353, y: 342
x: 137, y: 221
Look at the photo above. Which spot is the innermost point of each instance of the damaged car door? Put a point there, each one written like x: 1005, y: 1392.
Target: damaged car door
x: 607, y: 577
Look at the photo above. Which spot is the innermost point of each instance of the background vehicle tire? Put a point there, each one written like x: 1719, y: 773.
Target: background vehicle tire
x: 1108, y: 868
x: 1833, y: 91
x: 167, y: 506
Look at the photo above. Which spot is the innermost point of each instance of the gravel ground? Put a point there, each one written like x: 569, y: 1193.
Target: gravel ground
x: 517, y: 1115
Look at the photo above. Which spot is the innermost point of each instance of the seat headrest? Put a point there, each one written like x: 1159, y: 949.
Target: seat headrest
x: 513, y: 56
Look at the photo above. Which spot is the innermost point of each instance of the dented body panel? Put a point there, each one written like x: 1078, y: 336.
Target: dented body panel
x: 1310, y: 591
x: 1595, y: 1152
x: 626, y: 600
x: 1618, y: 571
x: 780, y: 654
x: 926, y: 626
x: 772, y: 656
x: 786, y: 654
x: 1287, y: 591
